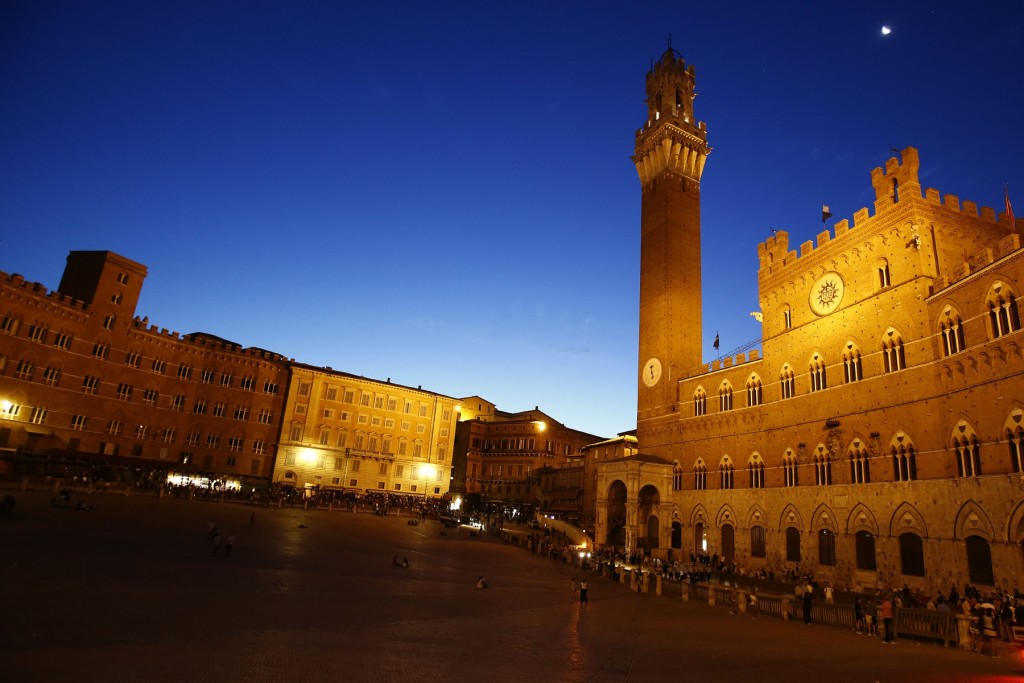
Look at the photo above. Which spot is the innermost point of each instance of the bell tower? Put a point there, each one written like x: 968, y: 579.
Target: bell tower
x: 670, y: 152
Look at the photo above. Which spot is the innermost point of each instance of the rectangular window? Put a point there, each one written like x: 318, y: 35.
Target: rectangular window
x: 269, y: 388
x: 328, y: 414
x: 235, y: 443
x: 378, y: 402
x: 417, y: 450
x: 78, y: 422
x: 122, y: 278
x: 355, y: 465
x: 304, y: 388
x: 101, y: 351
x: 207, y: 377
x: 423, y: 410
x: 296, y: 433
x: 325, y: 436
x: 159, y: 366
x: 62, y: 341
x: 220, y: 409
x: 259, y: 447
x: 255, y: 466
x: 392, y: 404
x: 192, y: 439
x: 38, y: 416
x: 199, y: 407
x: 342, y: 439
x: 178, y: 403
x: 242, y: 413
x: 364, y: 400
x: 51, y: 376
x: 25, y: 370
x: 758, y: 545
x: 226, y: 379
x: 9, y: 325
x: 339, y: 464
x: 124, y: 392
x: 170, y: 435
x: 300, y: 408
x: 149, y: 397
x: 141, y: 431
x: 350, y: 396
x: 184, y: 372
x: 38, y: 333
x: 212, y: 441
x: 332, y: 393
x: 265, y: 417
x: 248, y: 383
x: 383, y: 468
x: 108, y: 322
x: 114, y: 427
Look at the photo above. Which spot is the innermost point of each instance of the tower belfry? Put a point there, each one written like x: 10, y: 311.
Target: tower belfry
x: 670, y: 152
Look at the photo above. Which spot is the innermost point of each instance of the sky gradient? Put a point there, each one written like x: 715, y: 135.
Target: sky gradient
x: 442, y: 193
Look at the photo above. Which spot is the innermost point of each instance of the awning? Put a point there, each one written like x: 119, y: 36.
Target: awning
x: 37, y: 430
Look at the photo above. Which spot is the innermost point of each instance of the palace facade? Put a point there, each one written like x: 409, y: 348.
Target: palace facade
x: 82, y: 378
x: 877, y: 437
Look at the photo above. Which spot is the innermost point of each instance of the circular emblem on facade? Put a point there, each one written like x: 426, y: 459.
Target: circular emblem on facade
x: 651, y: 372
x: 827, y: 293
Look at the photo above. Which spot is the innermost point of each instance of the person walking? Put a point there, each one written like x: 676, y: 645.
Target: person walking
x: 584, y: 599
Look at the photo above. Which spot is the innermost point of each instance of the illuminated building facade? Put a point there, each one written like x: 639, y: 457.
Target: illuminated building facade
x: 83, y: 378
x: 343, y: 432
x: 877, y: 437
x: 503, y: 450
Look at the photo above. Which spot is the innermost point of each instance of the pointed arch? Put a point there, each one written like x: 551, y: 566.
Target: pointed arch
x: 1015, y: 524
x: 907, y: 519
x: 725, y: 396
x: 756, y: 516
x: 698, y: 515
x: 853, y: 369
x: 861, y: 518
x: 824, y: 518
x: 1013, y: 431
x: 894, y: 357
x: 1001, y: 305
x: 754, y: 392
x: 726, y: 515
x: 700, y: 401
x: 972, y: 520
x: 787, y: 381
x: 951, y: 330
x: 790, y: 517
x: 966, y: 449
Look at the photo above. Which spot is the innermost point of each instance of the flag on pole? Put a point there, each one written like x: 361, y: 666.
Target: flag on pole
x: 1009, y: 209
x: 716, y: 341
x: 825, y: 213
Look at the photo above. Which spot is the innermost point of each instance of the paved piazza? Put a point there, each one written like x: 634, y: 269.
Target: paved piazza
x: 130, y: 592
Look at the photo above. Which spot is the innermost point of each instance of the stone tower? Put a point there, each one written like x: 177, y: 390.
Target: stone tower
x: 670, y: 152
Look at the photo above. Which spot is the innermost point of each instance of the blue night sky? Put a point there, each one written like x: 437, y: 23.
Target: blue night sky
x: 441, y: 193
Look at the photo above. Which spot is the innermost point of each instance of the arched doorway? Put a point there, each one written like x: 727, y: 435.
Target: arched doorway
x: 979, y: 561
x: 700, y: 539
x: 728, y: 543
x: 647, y: 518
x: 677, y: 535
x: 616, y: 535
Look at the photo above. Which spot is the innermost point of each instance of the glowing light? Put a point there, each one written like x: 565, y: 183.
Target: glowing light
x: 541, y: 426
x: 428, y: 471
x: 886, y: 30
x: 307, y: 456
x: 5, y: 405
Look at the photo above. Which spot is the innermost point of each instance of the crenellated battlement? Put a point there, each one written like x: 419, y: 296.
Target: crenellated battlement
x: 39, y: 288
x: 895, y: 183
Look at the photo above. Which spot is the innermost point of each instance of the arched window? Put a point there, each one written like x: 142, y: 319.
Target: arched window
x: 725, y: 473
x: 883, y: 274
x: 677, y: 476
x: 865, y: 546
x: 792, y: 544
x: 967, y: 451
x: 790, y: 468
x: 755, y: 467
x: 1002, y: 310
x: 758, y: 543
x: 700, y: 476
x: 860, y: 463
x: 904, y: 464
x: 826, y: 548
x: 817, y: 373
x: 1015, y: 438
x: 787, y: 382
x: 700, y: 402
x: 893, y: 356
x: 951, y: 329
x: 725, y: 397
x: 852, y: 370
x: 911, y: 555
x: 754, y: 390
x: 787, y: 318
x: 822, y: 467
x: 979, y: 561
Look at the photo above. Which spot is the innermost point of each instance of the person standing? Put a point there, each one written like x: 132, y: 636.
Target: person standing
x: 886, y: 612
x: 584, y: 600
x: 858, y: 615
x: 808, y: 601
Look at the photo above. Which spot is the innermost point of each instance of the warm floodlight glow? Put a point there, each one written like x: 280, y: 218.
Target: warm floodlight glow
x: 5, y: 406
x: 307, y: 456
x: 886, y: 30
x: 541, y: 426
x: 428, y: 471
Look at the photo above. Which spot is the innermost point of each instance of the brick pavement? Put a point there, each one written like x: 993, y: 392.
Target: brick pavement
x: 130, y: 592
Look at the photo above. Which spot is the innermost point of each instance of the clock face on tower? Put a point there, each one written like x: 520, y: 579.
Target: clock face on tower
x: 651, y: 372
x: 827, y: 293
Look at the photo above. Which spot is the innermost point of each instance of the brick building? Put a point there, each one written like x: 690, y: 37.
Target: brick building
x: 876, y: 438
